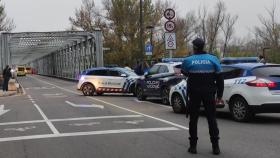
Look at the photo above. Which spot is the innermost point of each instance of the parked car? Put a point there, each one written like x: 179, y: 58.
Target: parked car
x: 158, y: 80
x: 250, y: 88
x: 235, y: 60
x: 107, y: 80
x: 21, y: 71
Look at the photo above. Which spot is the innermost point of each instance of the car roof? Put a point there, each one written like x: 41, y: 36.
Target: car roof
x: 248, y: 66
x: 105, y: 68
x: 240, y: 58
x: 169, y: 63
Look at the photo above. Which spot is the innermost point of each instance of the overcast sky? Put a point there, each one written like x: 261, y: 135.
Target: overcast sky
x: 53, y: 15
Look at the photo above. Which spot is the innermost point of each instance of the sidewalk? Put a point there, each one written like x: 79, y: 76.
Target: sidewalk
x: 13, y: 89
x: 9, y: 93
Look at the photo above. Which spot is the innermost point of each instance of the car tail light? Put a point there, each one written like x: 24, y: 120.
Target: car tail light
x: 261, y: 83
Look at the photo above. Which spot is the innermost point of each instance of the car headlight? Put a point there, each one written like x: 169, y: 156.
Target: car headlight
x: 82, y: 78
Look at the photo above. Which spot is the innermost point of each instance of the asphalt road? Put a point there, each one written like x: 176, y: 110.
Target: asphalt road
x: 53, y: 120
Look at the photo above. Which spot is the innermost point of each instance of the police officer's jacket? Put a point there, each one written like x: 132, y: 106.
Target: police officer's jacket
x: 203, y: 72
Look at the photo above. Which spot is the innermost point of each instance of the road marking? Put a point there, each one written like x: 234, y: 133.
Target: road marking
x: 56, y: 95
x: 119, y: 131
x: 85, y: 124
x: 162, y: 120
x: 38, y: 88
x: 21, y: 122
x: 84, y: 106
x: 54, y: 130
x: 134, y: 122
x: 71, y: 119
x: 22, y: 129
x: 2, y: 110
x: 139, y: 101
x: 95, y: 118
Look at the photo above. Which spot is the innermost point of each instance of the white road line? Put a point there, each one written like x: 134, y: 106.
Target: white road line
x: 71, y: 119
x: 22, y: 122
x: 95, y: 118
x: 119, y: 131
x: 84, y: 105
x: 139, y: 101
x: 165, y: 121
x: 54, y: 130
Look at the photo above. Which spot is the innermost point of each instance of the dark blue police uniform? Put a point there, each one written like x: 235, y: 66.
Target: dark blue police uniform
x: 203, y: 85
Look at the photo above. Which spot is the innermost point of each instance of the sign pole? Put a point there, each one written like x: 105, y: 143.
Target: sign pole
x: 170, y: 35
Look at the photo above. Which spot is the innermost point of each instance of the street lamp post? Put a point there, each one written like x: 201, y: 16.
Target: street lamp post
x: 141, y: 31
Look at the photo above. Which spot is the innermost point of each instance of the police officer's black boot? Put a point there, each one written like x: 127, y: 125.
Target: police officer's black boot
x: 215, y: 147
x: 192, y: 148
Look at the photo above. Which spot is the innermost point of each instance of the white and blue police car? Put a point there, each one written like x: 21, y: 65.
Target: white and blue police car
x: 97, y: 81
x: 249, y: 88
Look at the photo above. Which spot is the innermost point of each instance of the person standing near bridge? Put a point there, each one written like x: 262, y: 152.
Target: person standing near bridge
x: 204, y: 81
x: 6, y: 76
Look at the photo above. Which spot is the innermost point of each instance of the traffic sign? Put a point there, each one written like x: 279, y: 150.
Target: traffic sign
x: 170, y: 40
x: 169, y: 26
x: 148, y: 49
x: 169, y: 13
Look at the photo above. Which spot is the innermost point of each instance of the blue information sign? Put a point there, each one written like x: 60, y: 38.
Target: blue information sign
x: 148, y: 49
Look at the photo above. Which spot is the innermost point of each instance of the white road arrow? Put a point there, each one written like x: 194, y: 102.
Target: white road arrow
x: 85, y: 106
x: 2, y: 110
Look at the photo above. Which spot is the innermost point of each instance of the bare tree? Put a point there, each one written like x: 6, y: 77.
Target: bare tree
x: 228, y: 29
x: 201, y: 28
x: 214, y: 23
x: 87, y: 17
x: 6, y: 24
x: 190, y: 25
x: 269, y: 32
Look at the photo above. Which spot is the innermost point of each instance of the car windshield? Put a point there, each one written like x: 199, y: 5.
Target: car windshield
x: 267, y: 71
x: 20, y: 69
x: 128, y: 72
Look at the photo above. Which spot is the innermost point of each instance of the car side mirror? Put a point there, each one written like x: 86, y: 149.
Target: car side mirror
x: 146, y: 74
x: 123, y: 75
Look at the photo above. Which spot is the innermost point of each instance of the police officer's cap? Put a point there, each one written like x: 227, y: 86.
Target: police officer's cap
x: 198, y: 43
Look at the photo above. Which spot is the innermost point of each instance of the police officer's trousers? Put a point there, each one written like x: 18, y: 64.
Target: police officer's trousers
x: 208, y: 100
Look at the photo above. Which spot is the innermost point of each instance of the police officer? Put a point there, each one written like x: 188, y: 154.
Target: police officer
x: 204, y: 85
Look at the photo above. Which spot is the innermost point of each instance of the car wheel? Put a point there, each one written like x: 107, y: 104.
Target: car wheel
x: 132, y: 90
x: 88, y: 89
x: 240, y: 110
x: 165, y: 96
x: 178, y: 104
x: 139, y: 93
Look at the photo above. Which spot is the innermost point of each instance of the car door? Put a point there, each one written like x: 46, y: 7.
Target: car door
x: 116, y: 79
x: 154, y: 83
x: 97, y: 77
x: 232, y: 77
x: 150, y: 84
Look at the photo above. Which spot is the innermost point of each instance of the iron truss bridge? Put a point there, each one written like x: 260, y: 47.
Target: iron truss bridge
x: 60, y: 54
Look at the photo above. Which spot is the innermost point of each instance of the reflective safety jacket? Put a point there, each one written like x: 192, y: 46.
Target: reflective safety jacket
x: 203, y: 72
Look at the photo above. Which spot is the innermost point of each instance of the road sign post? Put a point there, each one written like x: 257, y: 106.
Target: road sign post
x: 170, y: 36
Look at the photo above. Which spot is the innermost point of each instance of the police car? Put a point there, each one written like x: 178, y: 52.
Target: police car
x: 157, y: 82
x: 107, y: 80
x: 249, y: 88
x: 235, y: 60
